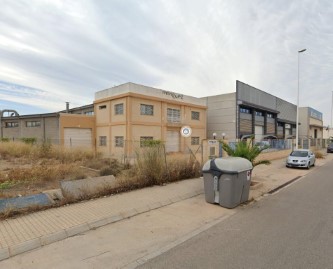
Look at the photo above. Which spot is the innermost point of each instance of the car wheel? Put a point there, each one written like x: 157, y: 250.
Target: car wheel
x: 309, y: 165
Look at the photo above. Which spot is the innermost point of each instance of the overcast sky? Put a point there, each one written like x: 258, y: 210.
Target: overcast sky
x: 57, y: 51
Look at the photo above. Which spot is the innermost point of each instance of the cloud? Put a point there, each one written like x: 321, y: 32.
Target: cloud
x: 71, y: 49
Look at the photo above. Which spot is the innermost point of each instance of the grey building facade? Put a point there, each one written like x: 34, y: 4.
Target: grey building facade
x: 250, y: 111
x: 43, y: 127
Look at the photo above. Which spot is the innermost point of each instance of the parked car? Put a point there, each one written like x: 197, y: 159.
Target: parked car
x: 301, y: 158
x: 330, y: 148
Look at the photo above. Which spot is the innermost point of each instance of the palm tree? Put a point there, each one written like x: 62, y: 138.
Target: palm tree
x: 246, y: 150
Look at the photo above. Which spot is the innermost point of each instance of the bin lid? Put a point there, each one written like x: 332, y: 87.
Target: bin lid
x: 229, y: 164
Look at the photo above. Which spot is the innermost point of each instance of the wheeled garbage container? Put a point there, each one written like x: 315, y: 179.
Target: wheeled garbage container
x: 227, y: 181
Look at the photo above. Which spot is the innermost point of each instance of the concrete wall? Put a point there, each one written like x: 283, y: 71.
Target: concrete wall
x: 221, y: 115
x: 47, y: 130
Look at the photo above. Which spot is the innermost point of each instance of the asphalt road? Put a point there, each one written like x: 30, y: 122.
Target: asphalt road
x: 292, y: 228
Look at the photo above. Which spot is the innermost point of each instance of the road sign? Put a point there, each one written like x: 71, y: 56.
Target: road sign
x: 186, y: 131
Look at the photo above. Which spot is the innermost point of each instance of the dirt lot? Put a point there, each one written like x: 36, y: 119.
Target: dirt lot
x: 19, y: 177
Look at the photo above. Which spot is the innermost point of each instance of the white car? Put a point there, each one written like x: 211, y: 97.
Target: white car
x: 301, y: 158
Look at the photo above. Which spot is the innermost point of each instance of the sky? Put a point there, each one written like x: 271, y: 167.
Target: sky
x: 58, y: 51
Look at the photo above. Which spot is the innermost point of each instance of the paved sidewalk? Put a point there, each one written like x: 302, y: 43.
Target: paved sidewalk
x: 45, y: 227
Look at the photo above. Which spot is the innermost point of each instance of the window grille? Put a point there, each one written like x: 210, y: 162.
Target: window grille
x: 146, y: 109
x: 173, y: 115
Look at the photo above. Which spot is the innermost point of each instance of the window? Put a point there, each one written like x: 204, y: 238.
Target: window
x: 102, y: 107
x: 11, y: 124
x: 269, y: 115
x: 244, y: 110
x: 119, y: 141
x: 119, y: 109
x: 195, y: 140
x: 173, y: 115
x: 89, y: 113
x: 33, y: 123
x: 144, y: 139
x: 259, y: 113
x: 102, y: 141
x: 195, y: 115
x: 146, y: 109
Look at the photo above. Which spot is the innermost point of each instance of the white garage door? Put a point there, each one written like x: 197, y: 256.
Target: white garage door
x: 172, y: 142
x: 77, y: 137
x: 259, y: 132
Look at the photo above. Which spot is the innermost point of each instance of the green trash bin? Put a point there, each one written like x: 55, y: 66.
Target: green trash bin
x: 227, y: 181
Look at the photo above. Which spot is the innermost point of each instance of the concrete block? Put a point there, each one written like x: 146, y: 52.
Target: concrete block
x: 25, y: 202
x: 4, y: 253
x: 54, y: 195
x: 77, y: 229
x: 54, y: 237
x: 24, y: 247
x: 87, y: 187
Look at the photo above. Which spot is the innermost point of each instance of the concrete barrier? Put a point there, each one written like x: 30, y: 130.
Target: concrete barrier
x: 83, y: 188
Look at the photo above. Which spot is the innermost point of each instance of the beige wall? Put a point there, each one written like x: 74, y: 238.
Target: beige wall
x: 76, y: 121
x: 132, y: 125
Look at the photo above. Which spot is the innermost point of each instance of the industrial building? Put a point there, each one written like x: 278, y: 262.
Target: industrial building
x: 128, y: 114
x: 250, y: 111
x: 71, y: 127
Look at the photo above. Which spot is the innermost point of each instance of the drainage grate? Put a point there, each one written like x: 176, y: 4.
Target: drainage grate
x: 283, y: 185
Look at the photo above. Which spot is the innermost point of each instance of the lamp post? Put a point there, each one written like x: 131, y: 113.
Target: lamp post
x: 297, y: 108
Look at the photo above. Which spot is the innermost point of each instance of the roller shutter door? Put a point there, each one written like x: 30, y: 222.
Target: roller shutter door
x: 77, y: 137
x: 259, y: 132
x: 172, y: 142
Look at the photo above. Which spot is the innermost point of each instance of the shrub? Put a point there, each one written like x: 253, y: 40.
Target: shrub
x: 29, y: 140
x: 319, y: 155
x: 5, y: 139
x: 150, y: 162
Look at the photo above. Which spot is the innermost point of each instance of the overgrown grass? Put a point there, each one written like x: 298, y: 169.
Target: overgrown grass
x: 319, y: 155
x: 32, y: 152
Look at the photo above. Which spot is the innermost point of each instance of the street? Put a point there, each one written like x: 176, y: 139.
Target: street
x: 292, y: 228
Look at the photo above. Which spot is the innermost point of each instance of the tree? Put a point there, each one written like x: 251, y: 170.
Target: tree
x: 246, y: 150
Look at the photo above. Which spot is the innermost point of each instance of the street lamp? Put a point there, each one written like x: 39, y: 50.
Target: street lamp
x: 297, y: 112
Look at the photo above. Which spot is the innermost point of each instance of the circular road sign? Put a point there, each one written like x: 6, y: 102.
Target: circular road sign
x: 186, y: 131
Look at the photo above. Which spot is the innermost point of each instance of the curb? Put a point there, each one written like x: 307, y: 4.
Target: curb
x: 38, y: 242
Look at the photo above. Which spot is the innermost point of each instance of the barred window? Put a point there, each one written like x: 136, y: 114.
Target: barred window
x: 146, y: 109
x: 173, y: 115
x: 195, y: 115
x: 102, y: 107
x: 33, y: 123
x: 119, y: 109
x: 89, y: 113
x: 195, y: 140
x: 119, y: 141
x: 11, y: 124
x: 269, y: 115
x: 259, y: 113
x: 144, y: 140
x: 102, y: 141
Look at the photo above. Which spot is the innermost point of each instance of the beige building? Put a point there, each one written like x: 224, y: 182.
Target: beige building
x: 128, y: 114
x: 311, y: 123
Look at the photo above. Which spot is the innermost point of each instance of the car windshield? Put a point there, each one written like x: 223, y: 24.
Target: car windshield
x: 299, y: 153
x: 331, y: 145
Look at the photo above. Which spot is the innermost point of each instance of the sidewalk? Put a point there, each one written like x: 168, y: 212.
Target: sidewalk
x: 45, y: 227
